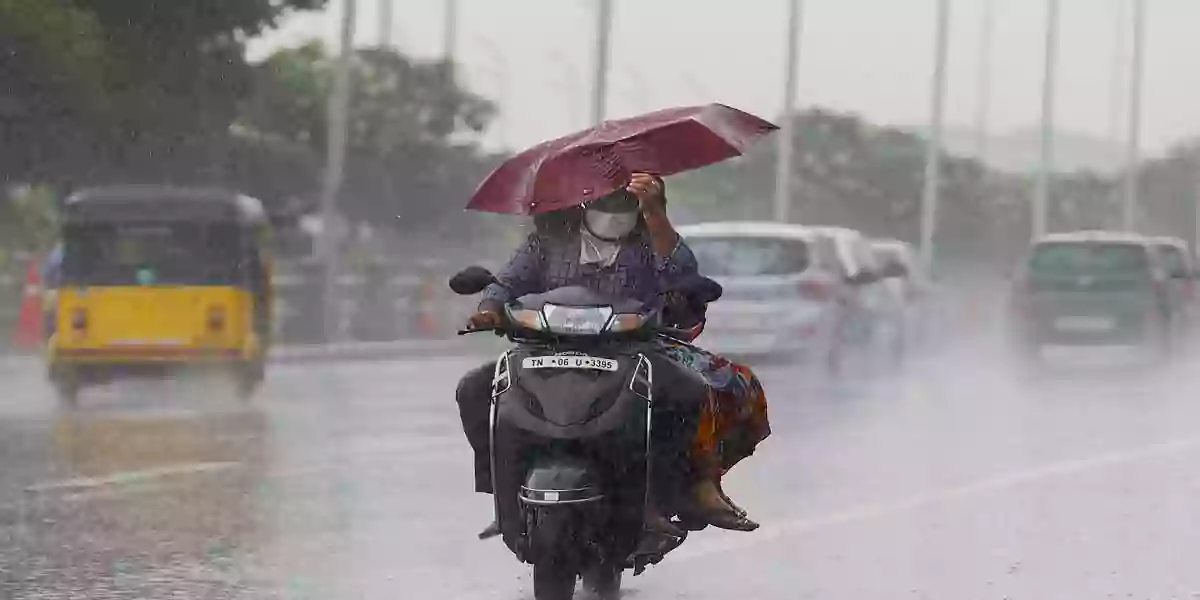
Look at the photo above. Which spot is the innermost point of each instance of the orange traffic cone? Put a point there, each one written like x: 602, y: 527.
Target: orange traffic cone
x: 427, y: 307
x: 28, y: 332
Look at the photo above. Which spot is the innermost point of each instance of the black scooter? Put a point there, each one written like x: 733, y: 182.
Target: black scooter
x: 570, y: 432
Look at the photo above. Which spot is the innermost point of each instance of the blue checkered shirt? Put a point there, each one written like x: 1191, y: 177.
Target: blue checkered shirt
x: 544, y: 263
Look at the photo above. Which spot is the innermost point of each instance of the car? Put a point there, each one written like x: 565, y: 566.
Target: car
x: 1091, y: 290
x: 870, y: 331
x: 1181, y: 276
x: 789, y: 289
x: 906, y: 305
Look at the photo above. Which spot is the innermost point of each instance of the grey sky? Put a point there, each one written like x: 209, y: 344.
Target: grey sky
x: 869, y: 56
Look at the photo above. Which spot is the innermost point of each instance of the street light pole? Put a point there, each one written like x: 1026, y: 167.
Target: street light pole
x: 1195, y: 203
x: 1041, y: 197
x: 987, y: 26
x: 1132, y: 151
x: 334, y: 172
x: 604, y: 18
x: 787, y: 133
x: 933, y: 151
x: 450, y: 30
x: 500, y: 71
x: 386, y: 20
x: 1116, y: 74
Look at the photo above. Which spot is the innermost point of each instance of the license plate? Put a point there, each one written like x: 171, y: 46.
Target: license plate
x: 1084, y: 324
x: 569, y: 362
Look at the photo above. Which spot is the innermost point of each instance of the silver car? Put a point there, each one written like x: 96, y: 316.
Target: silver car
x: 785, y: 292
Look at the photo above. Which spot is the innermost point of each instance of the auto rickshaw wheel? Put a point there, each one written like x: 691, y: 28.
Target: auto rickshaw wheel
x: 67, y: 388
x: 249, y: 376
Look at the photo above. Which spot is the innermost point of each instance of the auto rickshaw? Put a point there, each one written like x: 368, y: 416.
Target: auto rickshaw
x: 158, y: 279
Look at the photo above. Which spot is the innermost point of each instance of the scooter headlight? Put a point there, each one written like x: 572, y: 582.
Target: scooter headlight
x: 576, y: 321
x: 529, y: 319
x: 625, y: 322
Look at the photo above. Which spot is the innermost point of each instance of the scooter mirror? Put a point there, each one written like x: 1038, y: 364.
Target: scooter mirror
x: 701, y: 289
x: 471, y: 280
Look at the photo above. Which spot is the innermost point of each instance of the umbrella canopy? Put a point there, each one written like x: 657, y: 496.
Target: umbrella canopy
x: 586, y: 165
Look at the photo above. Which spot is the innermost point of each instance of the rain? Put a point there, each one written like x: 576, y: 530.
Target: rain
x: 262, y: 267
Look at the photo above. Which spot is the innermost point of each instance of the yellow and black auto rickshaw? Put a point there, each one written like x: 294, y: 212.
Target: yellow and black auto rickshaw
x: 157, y: 279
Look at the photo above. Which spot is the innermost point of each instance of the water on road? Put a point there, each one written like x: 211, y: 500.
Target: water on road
x: 953, y: 480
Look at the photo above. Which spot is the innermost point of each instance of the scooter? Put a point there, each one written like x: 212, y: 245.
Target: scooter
x: 570, y: 432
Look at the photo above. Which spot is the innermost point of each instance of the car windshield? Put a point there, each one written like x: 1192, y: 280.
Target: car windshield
x: 1117, y: 260
x: 151, y: 254
x: 749, y: 256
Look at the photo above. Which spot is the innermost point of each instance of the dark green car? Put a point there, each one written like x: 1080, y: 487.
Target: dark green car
x: 1092, y: 289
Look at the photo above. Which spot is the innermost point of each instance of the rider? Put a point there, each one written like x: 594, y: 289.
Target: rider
x: 625, y: 245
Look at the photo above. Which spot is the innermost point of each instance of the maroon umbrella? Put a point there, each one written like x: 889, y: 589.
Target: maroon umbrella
x: 591, y: 163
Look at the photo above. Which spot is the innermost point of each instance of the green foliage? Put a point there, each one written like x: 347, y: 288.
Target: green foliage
x: 412, y: 135
x: 28, y: 222
x: 846, y: 172
x: 123, y: 89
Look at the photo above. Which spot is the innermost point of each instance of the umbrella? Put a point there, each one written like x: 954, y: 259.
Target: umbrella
x: 586, y: 165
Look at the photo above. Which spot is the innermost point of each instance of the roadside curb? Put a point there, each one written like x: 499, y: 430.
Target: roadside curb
x: 345, y: 352
x: 370, y: 351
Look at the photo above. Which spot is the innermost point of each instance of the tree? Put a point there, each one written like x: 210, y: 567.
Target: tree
x: 53, y: 63
x: 28, y: 221
x: 413, y: 155
x: 847, y: 172
x: 1170, y: 192
x: 124, y: 89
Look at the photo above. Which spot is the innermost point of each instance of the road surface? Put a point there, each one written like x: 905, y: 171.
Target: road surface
x: 352, y: 481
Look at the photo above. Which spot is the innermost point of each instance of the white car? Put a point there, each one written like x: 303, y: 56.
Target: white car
x: 906, y: 295
x: 872, y: 328
x: 1181, y: 278
x: 789, y: 289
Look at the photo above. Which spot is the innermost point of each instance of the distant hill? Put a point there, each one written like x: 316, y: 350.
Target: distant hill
x: 1020, y: 151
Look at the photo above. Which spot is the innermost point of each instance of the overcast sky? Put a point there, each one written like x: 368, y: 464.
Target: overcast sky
x: 868, y: 56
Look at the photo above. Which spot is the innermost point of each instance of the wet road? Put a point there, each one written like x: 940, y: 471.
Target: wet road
x: 351, y: 481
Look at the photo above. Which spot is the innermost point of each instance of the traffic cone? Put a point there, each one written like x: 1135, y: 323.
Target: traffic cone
x: 28, y: 332
x: 427, y: 307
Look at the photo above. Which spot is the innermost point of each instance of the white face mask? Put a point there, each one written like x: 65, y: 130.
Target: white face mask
x: 610, y: 226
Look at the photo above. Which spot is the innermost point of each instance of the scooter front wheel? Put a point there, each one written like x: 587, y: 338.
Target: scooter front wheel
x: 603, y: 581
x: 553, y: 580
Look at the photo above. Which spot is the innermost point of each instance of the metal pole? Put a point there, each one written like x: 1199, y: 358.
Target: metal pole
x: 1195, y: 203
x: 450, y: 30
x: 987, y: 35
x: 604, y: 18
x: 336, y: 156
x: 500, y: 72
x: 1117, y: 73
x: 1041, y: 196
x: 933, y: 151
x: 1133, y: 150
x: 386, y: 20
x: 787, y: 130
